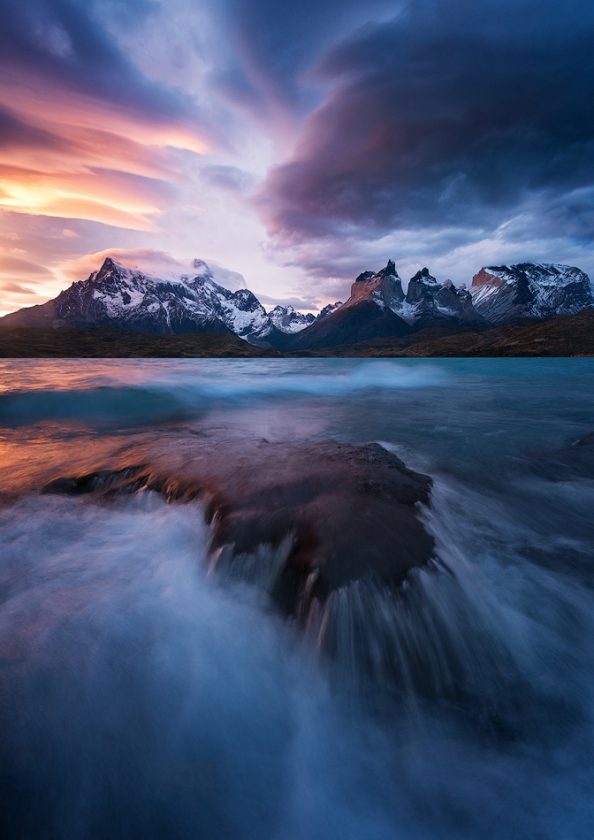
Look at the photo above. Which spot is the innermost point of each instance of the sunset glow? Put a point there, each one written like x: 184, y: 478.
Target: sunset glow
x: 296, y: 419
x: 296, y: 148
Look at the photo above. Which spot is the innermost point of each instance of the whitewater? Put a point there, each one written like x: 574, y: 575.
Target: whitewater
x: 148, y: 689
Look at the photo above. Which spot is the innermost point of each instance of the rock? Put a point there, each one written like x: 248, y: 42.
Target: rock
x: 339, y: 512
x: 503, y: 294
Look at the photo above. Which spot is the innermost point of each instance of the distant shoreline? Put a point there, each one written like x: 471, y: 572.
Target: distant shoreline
x: 563, y: 335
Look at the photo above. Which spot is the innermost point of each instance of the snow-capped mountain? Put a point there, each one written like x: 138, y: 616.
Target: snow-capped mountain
x: 241, y: 312
x: 427, y: 302
x: 124, y: 298
x: 129, y: 299
x: 378, y: 307
x: 507, y: 293
x: 288, y: 321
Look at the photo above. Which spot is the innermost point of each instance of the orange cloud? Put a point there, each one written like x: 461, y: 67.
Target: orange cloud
x: 28, y: 96
x: 109, y: 197
x: 17, y: 275
x: 72, y: 156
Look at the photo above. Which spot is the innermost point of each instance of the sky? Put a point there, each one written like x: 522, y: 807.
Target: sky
x: 292, y: 145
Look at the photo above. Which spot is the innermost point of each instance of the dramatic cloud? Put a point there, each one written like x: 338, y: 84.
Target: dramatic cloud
x: 295, y: 144
x: 82, y: 133
x: 458, y: 117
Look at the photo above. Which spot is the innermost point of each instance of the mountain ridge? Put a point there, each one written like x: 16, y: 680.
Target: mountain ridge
x: 128, y: 299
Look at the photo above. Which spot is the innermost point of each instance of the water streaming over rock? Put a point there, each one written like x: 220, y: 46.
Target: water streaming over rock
x: 150, y: 686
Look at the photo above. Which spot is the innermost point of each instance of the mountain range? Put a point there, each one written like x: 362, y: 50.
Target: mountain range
x: 127, y: 299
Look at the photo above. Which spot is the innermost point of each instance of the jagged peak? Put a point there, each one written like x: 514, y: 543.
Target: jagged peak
x: 110, y: 264
x: 529, y: 266
x: 423, y: 274
x: 112, y: 268
x: 202, y: 272
x: 390, y: 269
x: 330, y: 308
x: 365, y: 275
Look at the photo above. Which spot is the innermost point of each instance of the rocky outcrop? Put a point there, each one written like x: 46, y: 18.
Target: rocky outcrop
x: 378, y: 308
x: 384, y: 288
x: 329, y: 513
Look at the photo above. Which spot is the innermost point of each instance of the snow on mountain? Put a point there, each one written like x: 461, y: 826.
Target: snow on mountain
x: 506, y: 293
x: 329, y: 309
x: 127, y: 298
x: 288, y: 321
x: 426, y: 300
x: 130, y: 299
x: 241, y: 312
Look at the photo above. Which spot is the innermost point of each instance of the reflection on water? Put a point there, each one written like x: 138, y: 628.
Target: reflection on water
x: 141, y: 696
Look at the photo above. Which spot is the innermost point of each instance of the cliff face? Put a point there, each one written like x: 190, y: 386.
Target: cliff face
x: 506, y: 293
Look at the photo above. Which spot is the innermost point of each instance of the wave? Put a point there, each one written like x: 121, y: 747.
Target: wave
x: 107, y: 400
x: 194, y: 711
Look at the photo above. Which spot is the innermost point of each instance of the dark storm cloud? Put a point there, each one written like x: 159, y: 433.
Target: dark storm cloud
x: 454, y: 115
x: 67, y: 45
x: 276, y: 42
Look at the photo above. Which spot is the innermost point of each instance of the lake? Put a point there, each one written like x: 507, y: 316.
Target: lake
x: 149, y: 689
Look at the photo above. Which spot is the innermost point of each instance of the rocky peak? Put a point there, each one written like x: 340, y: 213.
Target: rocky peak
x: 390, y: 269
x: 425, y: 277
x: 507, y: 293
x: 365, y: 276
x: 421, y: 286
x: 383, y: 287
x: 428, y: 301
x: 109, y: 264
x: 246, y: 298
x: 109, y: 268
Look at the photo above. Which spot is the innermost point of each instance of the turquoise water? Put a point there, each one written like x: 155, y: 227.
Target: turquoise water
x: 141, y: 697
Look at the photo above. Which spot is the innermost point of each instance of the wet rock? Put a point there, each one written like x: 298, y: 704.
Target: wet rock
x: 337, y: 512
